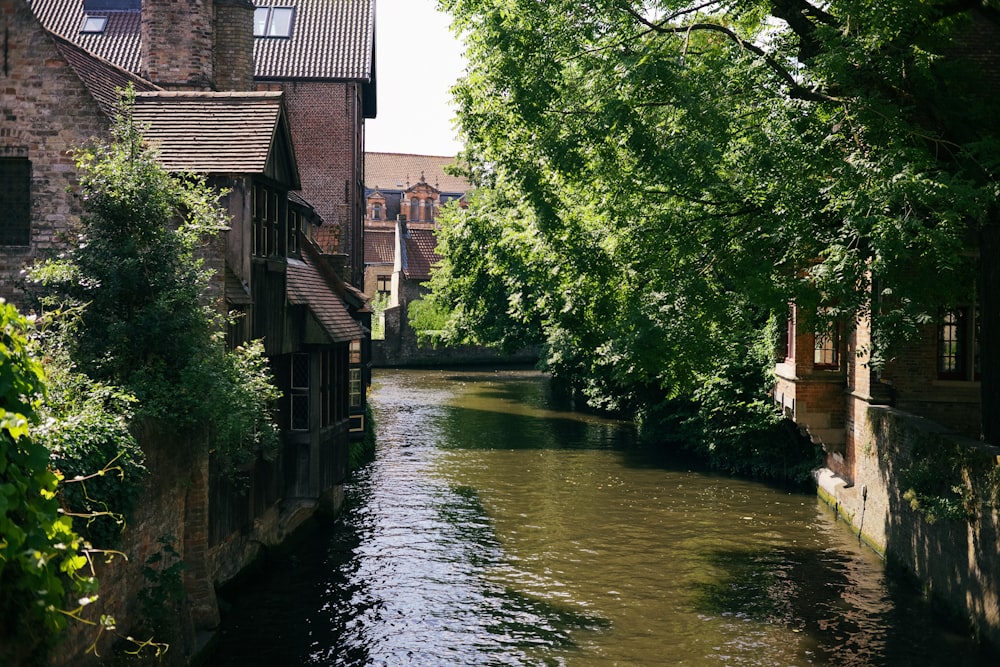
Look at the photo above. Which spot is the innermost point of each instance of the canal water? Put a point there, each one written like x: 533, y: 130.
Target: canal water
x: 496, y: 527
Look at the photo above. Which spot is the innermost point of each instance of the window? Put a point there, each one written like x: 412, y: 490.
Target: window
x: 429, y: 212
x: 377, y: 211
x: 414, y: 209
x: 299, y: 394
x: 355, y: 351
x: 355, y: 387
x: 270, y: 222
x: 383, y: 284
x: 94, y: 24
x: 15, y: 201
x: 952, y: 350
x: 273, y: 21
x: 825, y: 354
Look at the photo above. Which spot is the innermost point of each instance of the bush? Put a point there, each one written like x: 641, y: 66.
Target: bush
x: 42, y: 559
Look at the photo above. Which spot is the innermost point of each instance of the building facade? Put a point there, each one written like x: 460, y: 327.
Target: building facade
x: 191, y: 64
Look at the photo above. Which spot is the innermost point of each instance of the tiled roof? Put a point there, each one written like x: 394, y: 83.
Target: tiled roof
x: 420, y: 254
x: 120, y: 43
x: 331, y: 39
x: 389, y: 171
x: 102, y: 78
x: 237, y: 292
x: 379, y: 245
x: 298, y: 200
x: 211, y: 133
x: 309, y: 285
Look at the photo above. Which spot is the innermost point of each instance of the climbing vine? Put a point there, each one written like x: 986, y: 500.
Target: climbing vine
x: 950, y: 481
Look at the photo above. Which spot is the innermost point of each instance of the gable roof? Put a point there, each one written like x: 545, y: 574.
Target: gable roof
x: 379, y: 245
x: 102, y: 78
x: 331, y: 39
x: 219, y: 133
x: 419, y: 254
x: 310, y: 283
x: 398, y: 171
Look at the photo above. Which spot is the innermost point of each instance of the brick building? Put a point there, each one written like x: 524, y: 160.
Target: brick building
x: 192, y: 70
x: 404, y: 194
x: 321, y: 53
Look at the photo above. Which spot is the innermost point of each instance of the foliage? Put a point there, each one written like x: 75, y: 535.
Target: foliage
x: 378, y: 306
x: 244, y: 427
x: 949, y: 481
x: 428, y: 319
x: 658, y: 180
x: 163, y: 596
x: 102, y: 466
x: 43, y: 561
x: 140, y: 283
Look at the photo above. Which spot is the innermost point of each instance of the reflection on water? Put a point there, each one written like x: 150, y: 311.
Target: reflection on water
x: 495, y: 528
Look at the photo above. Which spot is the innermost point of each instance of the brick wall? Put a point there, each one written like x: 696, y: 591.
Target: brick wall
x: 326, y: 131
x: 177, y: 43
x: 233, y: 66
x: 46, y: 112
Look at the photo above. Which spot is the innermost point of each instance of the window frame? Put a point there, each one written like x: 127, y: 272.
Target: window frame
x: 826, y: 349
x: 268, y: 24
x: 15, y: 179
x: 960, y: 346
x: 94, y: 25
x: 300, y: 412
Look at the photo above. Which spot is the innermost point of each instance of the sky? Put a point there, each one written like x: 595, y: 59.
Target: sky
x: 417, y: 60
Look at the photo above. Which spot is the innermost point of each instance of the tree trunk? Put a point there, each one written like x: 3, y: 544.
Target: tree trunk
x: 989, y: 327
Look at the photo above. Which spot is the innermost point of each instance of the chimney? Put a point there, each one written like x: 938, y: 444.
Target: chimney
x: 177, y: 43
x: 234, y: 45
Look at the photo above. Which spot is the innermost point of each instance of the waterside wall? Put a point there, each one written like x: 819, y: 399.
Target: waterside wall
x: 957, y: 560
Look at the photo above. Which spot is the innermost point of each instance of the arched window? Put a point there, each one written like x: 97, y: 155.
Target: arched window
x: 429, y: 212
x: 414, y: 209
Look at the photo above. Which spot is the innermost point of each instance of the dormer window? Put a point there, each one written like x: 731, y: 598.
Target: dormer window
x: 273, y: 21
x: 94, y: 24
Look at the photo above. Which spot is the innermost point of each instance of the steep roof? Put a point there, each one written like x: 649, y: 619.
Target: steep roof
x: 311, y: 284
x: 420, y: 254
x: 379, y: 245
x: 389, y: 171
x: 102, y: 78
x: 119, y: 43
x: 331, y: 39
x: 219, y: 133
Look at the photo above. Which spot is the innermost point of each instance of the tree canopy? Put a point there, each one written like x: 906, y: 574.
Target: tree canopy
x: 658, y: 179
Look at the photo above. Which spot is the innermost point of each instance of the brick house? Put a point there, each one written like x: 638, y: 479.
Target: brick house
x: 321, y: 54
x: 404, y: 194
x: 196, y: 93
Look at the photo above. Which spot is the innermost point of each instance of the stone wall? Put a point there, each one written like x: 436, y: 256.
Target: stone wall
x: 402, y: 349
x: 957, y: 561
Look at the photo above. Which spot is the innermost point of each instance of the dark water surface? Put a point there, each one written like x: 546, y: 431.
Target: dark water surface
x: 496, y: 528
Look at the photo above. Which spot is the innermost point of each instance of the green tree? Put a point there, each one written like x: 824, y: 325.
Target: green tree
x: 660, y: 179
x: 138, y: 280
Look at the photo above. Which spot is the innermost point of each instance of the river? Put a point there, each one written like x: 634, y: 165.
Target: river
x: 497, y: 527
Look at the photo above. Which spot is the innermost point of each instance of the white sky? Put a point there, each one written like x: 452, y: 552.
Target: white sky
x: 417, y: 60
